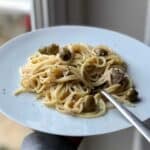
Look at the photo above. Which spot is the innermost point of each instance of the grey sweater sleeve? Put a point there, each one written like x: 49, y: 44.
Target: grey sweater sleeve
x: 42, y: 141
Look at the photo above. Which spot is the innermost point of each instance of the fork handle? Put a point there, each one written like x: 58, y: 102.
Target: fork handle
x: 136, y: 122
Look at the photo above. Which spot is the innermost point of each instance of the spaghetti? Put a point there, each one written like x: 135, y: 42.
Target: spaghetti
x: 69, y: 78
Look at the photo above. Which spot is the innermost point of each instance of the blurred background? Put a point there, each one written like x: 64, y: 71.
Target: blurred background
x: 14, y: 20
x: 131, y: 17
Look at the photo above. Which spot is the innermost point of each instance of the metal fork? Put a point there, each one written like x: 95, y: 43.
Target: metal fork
x: 137, y: 123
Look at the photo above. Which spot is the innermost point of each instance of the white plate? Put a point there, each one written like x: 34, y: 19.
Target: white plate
x: 25, y: 109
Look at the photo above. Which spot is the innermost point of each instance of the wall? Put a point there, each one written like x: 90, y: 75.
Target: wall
x: 127, y: 16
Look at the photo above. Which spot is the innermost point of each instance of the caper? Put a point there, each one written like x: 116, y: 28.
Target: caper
x: 133, y: 95
x: 117, y: 75
x: 53, y: 49
x: 124, y: 83
x: 65, y: 54
x: 89, y: 105
x: 122, y: 67
x: 101, y: 52
x: 43, y: 50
